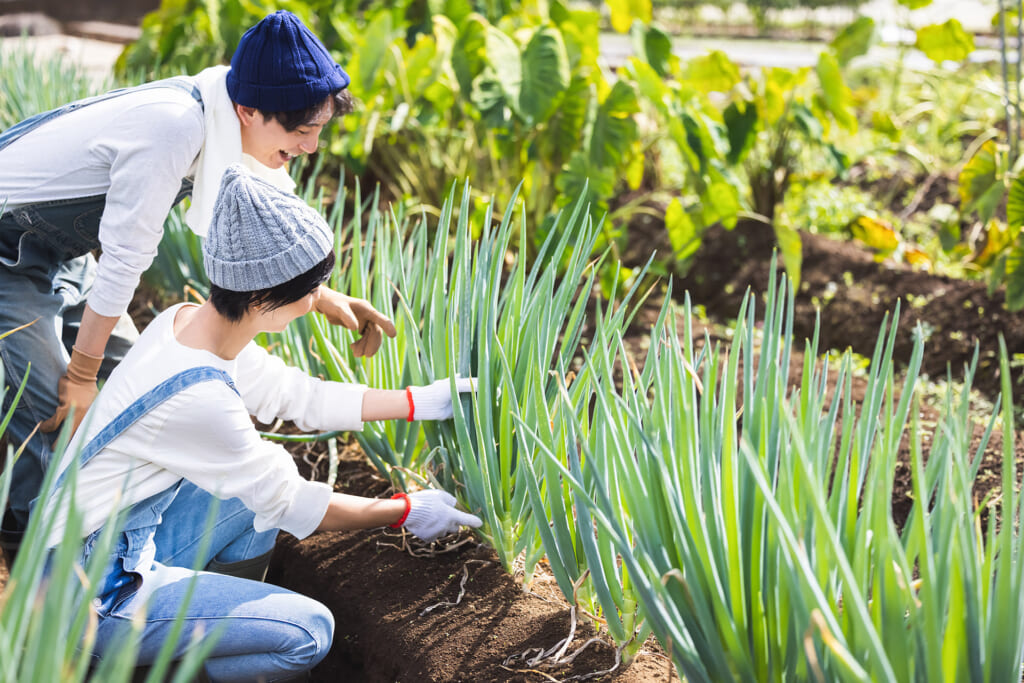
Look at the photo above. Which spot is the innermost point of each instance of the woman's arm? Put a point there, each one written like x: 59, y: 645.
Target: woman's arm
x: 346, y: 513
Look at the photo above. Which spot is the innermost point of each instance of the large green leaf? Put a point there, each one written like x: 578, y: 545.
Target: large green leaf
x: 791, y: 248
x: 625, y: 12
x: 504, y: 58
x: 545, y: 74
x: 615, y: 127
x: 980, y: 187
x: 1015, y: 276
x: 854, y: 40
x: 835, y: 95
x: 741, y: 127
x: 682, y: 233
x: 570, y: 123
x: 655, y: 46
x: 367, y: 62
x: 581, y: 178
x: 469, y: 55
x: 1015, y: 203
x: 915, y: 4
x: 942, y: 42
x: 713, y: 72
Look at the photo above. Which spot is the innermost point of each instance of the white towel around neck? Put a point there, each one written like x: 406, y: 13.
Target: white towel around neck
x: 222, y: 146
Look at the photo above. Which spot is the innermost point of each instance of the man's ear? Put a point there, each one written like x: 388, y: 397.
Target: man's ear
x: 246, y: 115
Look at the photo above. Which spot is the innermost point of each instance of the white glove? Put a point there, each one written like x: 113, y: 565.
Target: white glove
x: 434, y: 401
x: 432, y: 514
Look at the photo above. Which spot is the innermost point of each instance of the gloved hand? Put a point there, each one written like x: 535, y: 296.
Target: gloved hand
x: 357, y: 315
x: 432, y: 514
x: 76, y: 388
x: 434, y: 401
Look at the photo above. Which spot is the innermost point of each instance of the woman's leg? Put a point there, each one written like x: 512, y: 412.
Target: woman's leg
x: 262, y: 632
x: 228, y: 535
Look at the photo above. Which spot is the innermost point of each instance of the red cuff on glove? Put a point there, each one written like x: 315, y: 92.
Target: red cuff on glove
x: 405, y: 515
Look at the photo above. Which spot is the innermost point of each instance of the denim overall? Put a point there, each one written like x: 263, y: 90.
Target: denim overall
x: 136, y: 548
x: 266, y: 632
x: 46, y: 271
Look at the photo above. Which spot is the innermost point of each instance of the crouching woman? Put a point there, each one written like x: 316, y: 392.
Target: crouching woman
x: 171, y: 431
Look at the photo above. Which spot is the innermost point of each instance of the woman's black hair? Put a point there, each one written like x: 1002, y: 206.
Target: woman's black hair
x: 234, y: 305
x: 342, y: 102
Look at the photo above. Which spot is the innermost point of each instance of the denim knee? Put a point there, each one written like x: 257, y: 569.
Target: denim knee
x: 312, y: 638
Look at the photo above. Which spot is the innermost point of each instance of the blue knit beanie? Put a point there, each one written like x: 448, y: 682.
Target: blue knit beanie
x: 261, y: 236
x: 281, y: 66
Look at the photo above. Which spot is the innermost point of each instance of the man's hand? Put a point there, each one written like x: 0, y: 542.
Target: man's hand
x: 77, y: 389
x: 357, y: 315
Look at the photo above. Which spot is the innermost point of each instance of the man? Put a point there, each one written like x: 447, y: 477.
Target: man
x: 104, y: 173
x: 171, y: 429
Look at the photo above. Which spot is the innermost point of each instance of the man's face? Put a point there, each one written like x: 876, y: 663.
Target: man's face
x: 273, y: 146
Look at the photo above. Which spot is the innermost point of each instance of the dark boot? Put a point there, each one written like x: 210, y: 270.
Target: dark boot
x: 11, y: 534
x: 254, y: 569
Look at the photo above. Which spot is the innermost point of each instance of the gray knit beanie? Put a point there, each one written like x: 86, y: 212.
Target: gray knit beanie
x: 261, y: 236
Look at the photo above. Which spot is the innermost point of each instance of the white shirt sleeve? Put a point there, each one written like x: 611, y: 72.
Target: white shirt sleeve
x: 219, y: 451
x: 271, y: 389
x: 150, y: 149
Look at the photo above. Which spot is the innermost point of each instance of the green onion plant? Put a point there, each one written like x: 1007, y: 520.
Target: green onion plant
x: 753, y: 519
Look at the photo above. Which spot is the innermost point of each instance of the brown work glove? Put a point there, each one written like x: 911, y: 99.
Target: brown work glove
x: 77, y: 388
x: 357, y: 315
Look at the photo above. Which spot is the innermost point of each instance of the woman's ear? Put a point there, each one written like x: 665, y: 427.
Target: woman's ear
x: 246, y: 115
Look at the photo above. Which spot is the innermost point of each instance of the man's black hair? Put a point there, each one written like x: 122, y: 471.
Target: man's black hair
x: 234, y: 305
x: 342, y: 103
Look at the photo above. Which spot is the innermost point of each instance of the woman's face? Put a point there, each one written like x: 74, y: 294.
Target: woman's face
x: 268, y: 142
x: 278, y: 319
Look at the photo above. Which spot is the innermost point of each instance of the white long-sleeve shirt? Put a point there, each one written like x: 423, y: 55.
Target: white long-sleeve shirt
x: 205, y: 434
x: 135, y: 149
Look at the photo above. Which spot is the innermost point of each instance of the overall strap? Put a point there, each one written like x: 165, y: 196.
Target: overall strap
x: 31, y: 123
x: 145, y: 403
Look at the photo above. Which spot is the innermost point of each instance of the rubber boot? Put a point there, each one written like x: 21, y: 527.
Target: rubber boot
x: 10, y: 538
x: 254, y: 569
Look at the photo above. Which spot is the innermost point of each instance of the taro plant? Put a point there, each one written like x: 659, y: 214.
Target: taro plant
x: 755, y: 520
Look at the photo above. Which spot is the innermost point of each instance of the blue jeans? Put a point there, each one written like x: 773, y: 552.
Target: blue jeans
x: 265, y: 632
x: 36, y: 282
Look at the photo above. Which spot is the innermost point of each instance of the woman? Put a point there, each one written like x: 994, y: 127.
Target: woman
x: 172, y: 429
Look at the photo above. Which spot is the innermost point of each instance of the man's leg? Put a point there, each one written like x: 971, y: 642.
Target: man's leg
x: 26, y: 290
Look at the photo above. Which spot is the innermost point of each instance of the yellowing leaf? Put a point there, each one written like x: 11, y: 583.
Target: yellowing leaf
x: 713, y: 72
x: 948, y: 41
x: 877, y: 234
x: 997, y: 240
x: 624, y: 12
x: 917, y: 258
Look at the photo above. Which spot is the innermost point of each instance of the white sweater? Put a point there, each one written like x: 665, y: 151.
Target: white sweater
x: 205, y: 434
x: 136, y: 149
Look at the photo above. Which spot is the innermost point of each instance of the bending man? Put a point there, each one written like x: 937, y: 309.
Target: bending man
x: 103, y: 174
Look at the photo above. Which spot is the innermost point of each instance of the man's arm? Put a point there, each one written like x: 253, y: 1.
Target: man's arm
x: 357, y: 315
x: 77, y: 388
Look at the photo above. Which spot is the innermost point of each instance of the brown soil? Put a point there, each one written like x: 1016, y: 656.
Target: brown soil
x: 379, y: 592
